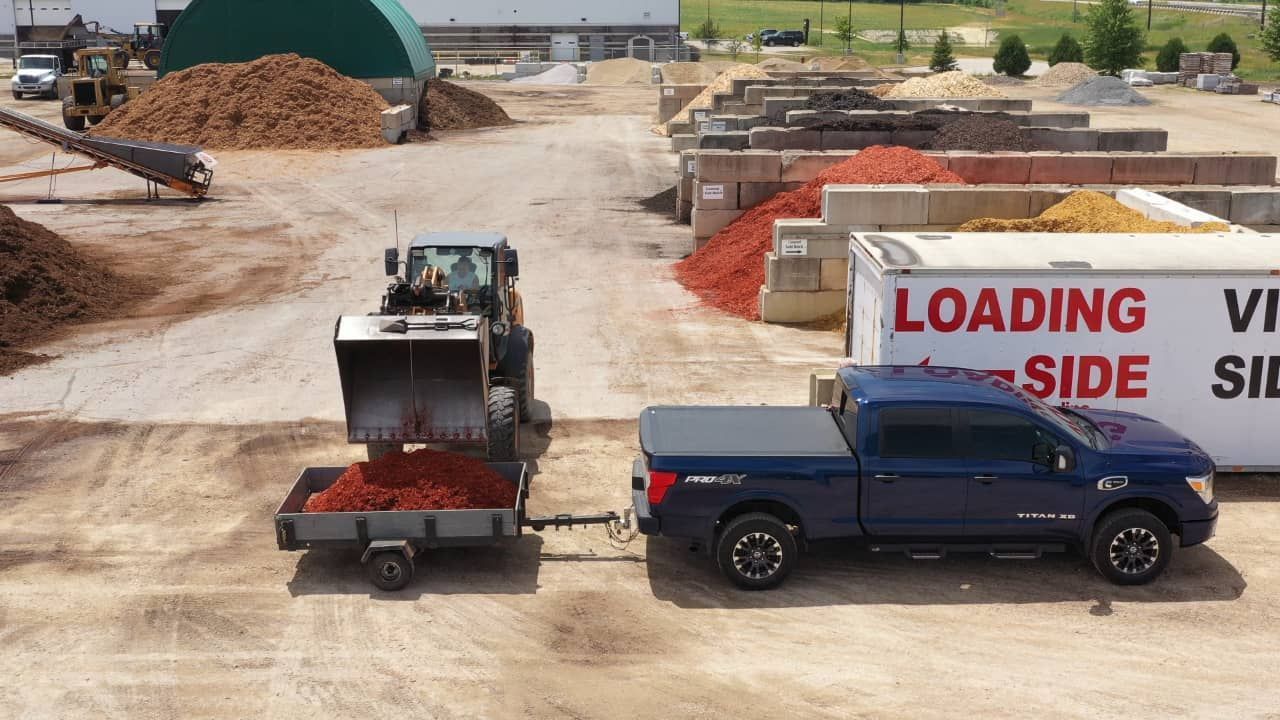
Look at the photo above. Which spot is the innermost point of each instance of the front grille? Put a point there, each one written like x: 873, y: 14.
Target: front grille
x: 85, y: 94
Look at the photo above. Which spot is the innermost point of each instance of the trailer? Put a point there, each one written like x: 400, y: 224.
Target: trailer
x: 1177, y: 327
x: 390, y: 541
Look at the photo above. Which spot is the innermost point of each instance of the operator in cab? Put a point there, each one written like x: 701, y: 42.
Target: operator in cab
x: 463, y: 276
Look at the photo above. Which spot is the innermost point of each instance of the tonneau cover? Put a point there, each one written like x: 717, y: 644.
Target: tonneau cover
x: 759, y: 431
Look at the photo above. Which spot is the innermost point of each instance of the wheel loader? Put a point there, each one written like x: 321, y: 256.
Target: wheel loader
x: 99, y: 86
x: 446, y: 359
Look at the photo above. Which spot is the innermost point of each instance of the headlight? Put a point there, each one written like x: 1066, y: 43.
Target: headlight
x: 1203, y: 485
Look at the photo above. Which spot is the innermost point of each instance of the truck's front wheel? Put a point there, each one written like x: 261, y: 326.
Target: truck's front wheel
x: 1131, y: 547
x: 756, y: 551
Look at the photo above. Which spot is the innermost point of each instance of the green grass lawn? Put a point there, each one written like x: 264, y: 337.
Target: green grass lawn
x: 1039, y: 23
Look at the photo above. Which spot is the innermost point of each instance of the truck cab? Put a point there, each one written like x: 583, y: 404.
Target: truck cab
x: 925, y: 461
x: 36, y: 75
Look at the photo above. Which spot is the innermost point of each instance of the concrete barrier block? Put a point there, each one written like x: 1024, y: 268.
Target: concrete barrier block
x: 752, y: 194
x: 853, y: 139
x: 772, y: 138
x: 1158, y: 207
x: 715, y: 195
x: 745, y: 166
x: 803, y: 166
x: 980, y: 168
x: 875, y: 205
x: 940, y: 157
x: 709, y: 222
x: 1070, y: 169
x: 910, y: 138
x: 808, y: 237
x: 1216, y: 202
x: 1242, y: 169
x: 798, y: 307
x: 684, y: 212
x: 734, y: 140
x: 833, y: 274
x: 684, y: 190
x: 682, y: 142
x: 1133, y: 140
x: 953, y: 206
x: 788, y: 274
x: 1062, y: 139
x: 822, y: 387
x: 1147, y: 169
x: 1255, y: 206
x: 688, y: 164
x: 1047, y: 119
x: 682, y: 127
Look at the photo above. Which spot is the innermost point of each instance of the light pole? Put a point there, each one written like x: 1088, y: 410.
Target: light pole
x: 822, y: 6
x: 1149, y: 4
x: 902, y: 31
x: 848, y: 44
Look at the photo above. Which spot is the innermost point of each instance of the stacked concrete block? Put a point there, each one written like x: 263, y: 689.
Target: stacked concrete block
x: 733, y: 140
x: 673, y: 98
x: 1133, y: 140
x: 1070, y: 169
x: 998, y: 168
x: 952, y: 206
x: 1069, y: 140
x: 682, y: 142
x: 706, y: 223
x: 1152, y: 169
x: 1158, y: 207
x: 1235, y: 169
x: 684, y: 186
x: 875, y: 205
x: 1255, y: 206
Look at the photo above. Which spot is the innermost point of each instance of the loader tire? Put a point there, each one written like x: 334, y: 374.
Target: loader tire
x: 74, y: 122
x: 504, y: 424
x: 151, y: 59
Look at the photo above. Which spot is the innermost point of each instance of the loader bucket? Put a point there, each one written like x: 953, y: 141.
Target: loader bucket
x: 420, y: 379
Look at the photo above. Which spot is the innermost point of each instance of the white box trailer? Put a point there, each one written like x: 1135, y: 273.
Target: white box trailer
x: 1181, y: 328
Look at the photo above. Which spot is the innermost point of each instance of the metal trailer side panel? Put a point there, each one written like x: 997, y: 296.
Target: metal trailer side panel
x: 864, y: 329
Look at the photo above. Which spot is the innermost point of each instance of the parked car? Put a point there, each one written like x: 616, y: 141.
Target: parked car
x: 794, y: 38
x: 36, y: 75
x: 925, y: 461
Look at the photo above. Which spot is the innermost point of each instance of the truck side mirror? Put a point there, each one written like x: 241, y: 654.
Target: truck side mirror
x: 391, y: 259
x: 1064, y: 459
x: 512, y: 259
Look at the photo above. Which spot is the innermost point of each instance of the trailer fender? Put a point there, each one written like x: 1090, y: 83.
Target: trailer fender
x: 377, y: 546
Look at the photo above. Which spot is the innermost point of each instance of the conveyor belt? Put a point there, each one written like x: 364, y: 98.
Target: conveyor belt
x: 184, y: 168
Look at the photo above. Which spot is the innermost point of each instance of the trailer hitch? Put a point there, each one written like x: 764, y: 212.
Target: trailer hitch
x: 567, y: 520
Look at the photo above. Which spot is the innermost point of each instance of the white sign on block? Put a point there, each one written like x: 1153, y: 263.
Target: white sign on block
x: 719, y: 126
x: 795, y: 247
x: 668, y: 91
x: 712, y: 192
x: 693, y: 166
x: 699, y: 115
x: 704, y: 127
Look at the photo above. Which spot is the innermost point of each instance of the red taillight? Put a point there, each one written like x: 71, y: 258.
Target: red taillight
x: 659, y: 482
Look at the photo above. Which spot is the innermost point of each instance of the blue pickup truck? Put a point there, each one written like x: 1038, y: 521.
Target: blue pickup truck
x: 926, y: 461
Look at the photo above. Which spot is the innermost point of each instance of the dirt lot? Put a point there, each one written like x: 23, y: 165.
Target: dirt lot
x: 139, y: 575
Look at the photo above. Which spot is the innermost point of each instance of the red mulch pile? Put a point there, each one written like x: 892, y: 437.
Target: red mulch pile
x: 420, y: 480
x: 728, y: 271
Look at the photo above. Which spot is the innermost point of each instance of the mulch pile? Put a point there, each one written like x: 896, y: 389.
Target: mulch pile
x: 420, y: 480
x: 45, y: 283
x: 851, y: 99
x: 453, y: 107
x: 277, y: 102
x: 1088, y: 211
x: 728, y: 271
x: 980, y: 133
x: 661, y: 203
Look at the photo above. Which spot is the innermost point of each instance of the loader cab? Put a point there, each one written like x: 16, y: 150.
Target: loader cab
x: 148, y: 35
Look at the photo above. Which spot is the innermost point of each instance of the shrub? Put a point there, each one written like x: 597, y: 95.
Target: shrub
x: 1067, y: 50
x: 942, y: 59
x: 1222, y: 43
x: 1114, y: 41
x: 1270, y: 35
x: 1012, y: 58
x: 1167, y: 60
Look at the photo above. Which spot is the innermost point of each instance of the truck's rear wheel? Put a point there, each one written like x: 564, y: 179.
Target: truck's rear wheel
x: 390, y: 571
x: 756, y: 551
x: 504, y: 424
x: 1131, y: 547
x: 377, y: 450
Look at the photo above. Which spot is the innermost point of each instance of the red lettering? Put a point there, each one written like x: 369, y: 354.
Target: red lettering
x: 1021, y: 321
x: 901, y: 323
x: 1038, y: 370
x: 1068, y: 376
x: 1135, y: 317
x: 987, y: 312
x: 1131, y: 369
x: 1086, y: 387
x: 1055, y: 310
x: 959, y: 307
x: 1078, y: 308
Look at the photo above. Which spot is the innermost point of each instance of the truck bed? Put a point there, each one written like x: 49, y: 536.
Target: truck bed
x: 759, y: 431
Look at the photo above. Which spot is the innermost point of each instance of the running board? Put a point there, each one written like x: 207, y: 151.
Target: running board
x: 1000, y: 552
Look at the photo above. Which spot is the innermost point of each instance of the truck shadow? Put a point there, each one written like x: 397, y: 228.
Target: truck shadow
x: 509, y: 568
x: 842, y: 573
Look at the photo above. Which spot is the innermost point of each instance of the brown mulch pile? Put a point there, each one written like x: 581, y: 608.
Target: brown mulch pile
x: 45, y: 283
x: 277, y: 102
x: 453, y: 107
x: 980, y: 133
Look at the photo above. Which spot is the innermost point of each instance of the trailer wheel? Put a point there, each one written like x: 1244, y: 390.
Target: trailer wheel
x: 756, y: 551
x: 1131, y: 547
x: 504, y: 424
x: 377, y: 450
x: 390, y: 570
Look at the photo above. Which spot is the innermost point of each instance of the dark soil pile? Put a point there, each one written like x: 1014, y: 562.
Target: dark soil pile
x: 981, y: 134
x: 453, y: 107
x: 420, y: 480
x: 662, y: 203
x: 851, y: 99
x: 278, y: 102
x: 45, y: 283
x: 728, y: 271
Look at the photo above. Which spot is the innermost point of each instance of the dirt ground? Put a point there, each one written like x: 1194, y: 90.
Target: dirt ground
x: 140, y: 466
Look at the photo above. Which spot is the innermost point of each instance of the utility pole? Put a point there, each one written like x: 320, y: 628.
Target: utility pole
x: 822, y: 6
x: 1263, y: 20
x: 1075, y: 11
x: 902, y: 29
x: 1149, y: 4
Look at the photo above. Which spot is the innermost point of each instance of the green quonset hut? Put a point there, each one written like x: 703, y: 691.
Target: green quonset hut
x: 376, y: 41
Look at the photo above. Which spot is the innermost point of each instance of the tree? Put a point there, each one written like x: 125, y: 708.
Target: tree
x: 942, y: 60
x: 756, y: 43
x: 1167, y: 60
x: 844, y: 31
x: 1115, y: 41
x: 1222, y: 43
x: 1270, y: 35
x: 903, y: 45
x: 1012, y: 58
x: 708, y: 31
x: 1067, y: 50
x: 734, y: 47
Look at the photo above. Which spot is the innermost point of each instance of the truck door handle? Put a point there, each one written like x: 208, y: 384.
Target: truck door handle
x: 887, y: 477
x: 985, y: 479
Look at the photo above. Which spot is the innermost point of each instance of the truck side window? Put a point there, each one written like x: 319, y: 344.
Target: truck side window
x: 995, y: 435
x: 917, y: 433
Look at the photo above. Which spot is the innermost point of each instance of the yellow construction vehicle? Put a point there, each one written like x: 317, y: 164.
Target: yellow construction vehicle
x: 146, y: 44
x: 98, y: 86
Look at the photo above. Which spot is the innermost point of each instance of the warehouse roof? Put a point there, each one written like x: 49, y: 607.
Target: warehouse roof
x: 358, y: 38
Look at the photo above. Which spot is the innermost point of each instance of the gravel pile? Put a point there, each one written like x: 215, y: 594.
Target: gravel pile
x: 277, y: 102
x: 1067, y: 73
x: 851, y: 99
x: 952, y: 84
x: 980, y: 133
x: 453, y: 107
x: 694, y: 73
x: 1087, y: 211
x: 559, y: 75
x: 620, y: 71
x: 1103, y: 90
x: 722, y: 83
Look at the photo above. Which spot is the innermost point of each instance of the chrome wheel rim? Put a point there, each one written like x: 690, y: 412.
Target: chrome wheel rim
x: 757, y: 555
x: 1134, y: 551
x: 389, y: 571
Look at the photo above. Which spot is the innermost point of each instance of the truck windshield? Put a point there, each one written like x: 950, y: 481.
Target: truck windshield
x: 35, y: 63
x: 1075, y: 425
x: 464, y: 268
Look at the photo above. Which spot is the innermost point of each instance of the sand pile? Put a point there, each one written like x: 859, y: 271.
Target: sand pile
x: 622, y: 71
x: 45, y: 283
x: 565, y: 74
x: 453, y: 107
x: 777, y: 63
x: 722, y: 83
x: 952, y: 84
x: 278, y: 102
x: 1066, y: 73
x: 1103, y: 90
x: 694, y: 73
x: 840, y: 64
x: 1086, y: 211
